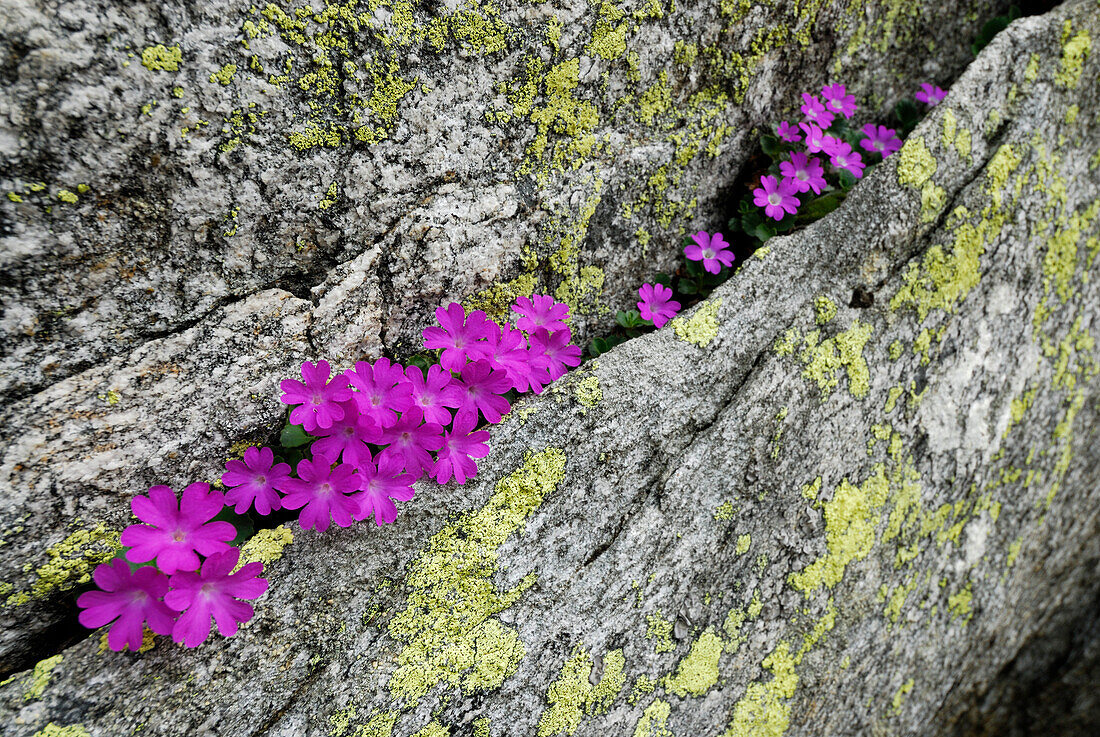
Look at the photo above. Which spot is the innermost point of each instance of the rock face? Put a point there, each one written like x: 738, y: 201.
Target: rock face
x: 778, y: 515
x: 197, y: 198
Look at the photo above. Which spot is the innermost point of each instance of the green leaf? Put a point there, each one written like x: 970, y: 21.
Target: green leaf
x: 819, y: 207
x: 242, y: 523
x: 694, y: 268
x: 629, y: 319
x: 770, y: 145
x: 663, y: 279
x: 688, y: 286
x: 764, y: 231
x: 847, y: 181
x: 293, y: 436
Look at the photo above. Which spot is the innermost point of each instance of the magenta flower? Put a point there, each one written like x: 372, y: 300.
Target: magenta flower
x: 775, y: 197
x: 930, y: 94
x: 816, y: 139
x: 479, y: 389
x: 557, y: 350
x: 803, y: 172
x: 317, y: 399
x: 214, y: 592
x: 506, y: 349
x: 838, y: 100
x: 383, y: 390
x: 382, y: 484
x: 815, y: 112
x: 177, y: 530
x: 657, y: 304
x: 427, y: 393
x: 326, y: 493
x: 788, y: 132
x: 460, y: 447
x: 842, y: 157
x: 348, y: 438
x: 711, y: 250
x: 461, y: 337
x: 129, y: 600
x: 880, y: 139
x: 411, y: 439
x: 254, y: 480
x: 540, y: 311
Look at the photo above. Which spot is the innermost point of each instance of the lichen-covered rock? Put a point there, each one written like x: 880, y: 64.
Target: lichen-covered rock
x: 383, y: 156
x: 73, y: 454
x: 780, y: 514
x: 372, y: 159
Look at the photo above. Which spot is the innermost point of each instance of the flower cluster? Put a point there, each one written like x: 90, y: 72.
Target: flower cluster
x: 181, y: 592
x: 376, y: 429
x: 824, y: 133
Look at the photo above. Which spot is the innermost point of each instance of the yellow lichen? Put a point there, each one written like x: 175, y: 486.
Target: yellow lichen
x: 702, y: 327
x: 161, y: 58
x: 587, y: 391
x: 496, y: 301
x: 743, y: 544
x: 823, y: 360
x: 915, y: 163
x: 1074, y: 53
x: 697, y: 673
x: 448, y: 628
x: 266, y: 546
x: 903, y: 690
x: 434, y: 729
x: 659, y: 629
x: 572, y: 695
x: 724, y: 511
x: 40, y: 677
x: 224, y: 75
x: 654, y: 721
x: 66, y: 196
x: 850, y: 519
x: 70, y: 562
x: 825, y: 309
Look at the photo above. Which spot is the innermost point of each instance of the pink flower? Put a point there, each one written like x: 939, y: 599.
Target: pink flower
x: 326, y: 493
x: 382, y: 484
x: 317, y: 399
x: 348, y: 438
x: 842, y: 157
x: 838, y: 100
x: 411, y: 439
x: 880, y: 139
x: 460, y: 447
x: 816, y: 139
x: 215, y: 592
x: 506, y: 349
x: 815, y: 112
x: 427, y: 393
x: 789, y: 133
x: 556, y: 350
x: 540, y: 311
x: 930, y: 94
x: 479, y: 389
x: 129, y: 600
x: 775, y: 197
x: 711, y: 250
x: 803, y: 172
x: 383, y: 390
x: 459, y: 337
x: 657, y: 303
x: 177, y: 530
x: 253, y: 481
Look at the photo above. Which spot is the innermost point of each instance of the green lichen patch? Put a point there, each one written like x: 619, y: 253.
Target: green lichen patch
x: 850, y: 520
x: 70, y: 563
x: 161, y: 58
x: 1075, y: 51
x: 916, y: 165
x: 998, y: 170
x: 697, y: 673
x: 823, y: 360
x: 40, y: 677
x: 266, y: 546
x: 824, y: 309
x: 660, y: 630
x: 724, y: 512
x: 224, y: 75
x: 899, y: 695
x: 654, y: 721
x: 744, y: 542
x: 448, y: 628
x: 702, y: 327
x: 572, y: 695
x: 496, y: 301
x: 434, y: 729
x: 587, y: 391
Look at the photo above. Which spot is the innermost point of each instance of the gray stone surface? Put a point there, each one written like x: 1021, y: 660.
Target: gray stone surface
x: 763, y: 519
x: 126, y: 220
x: 382, y: 157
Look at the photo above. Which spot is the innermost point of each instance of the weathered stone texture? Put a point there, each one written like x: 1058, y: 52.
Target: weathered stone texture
x: 760, y: 520
x: 153, y: 189
x: 161, y: 160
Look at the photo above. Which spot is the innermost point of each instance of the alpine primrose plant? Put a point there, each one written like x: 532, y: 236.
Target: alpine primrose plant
x: 360, y: 439
x: 809, y: 167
